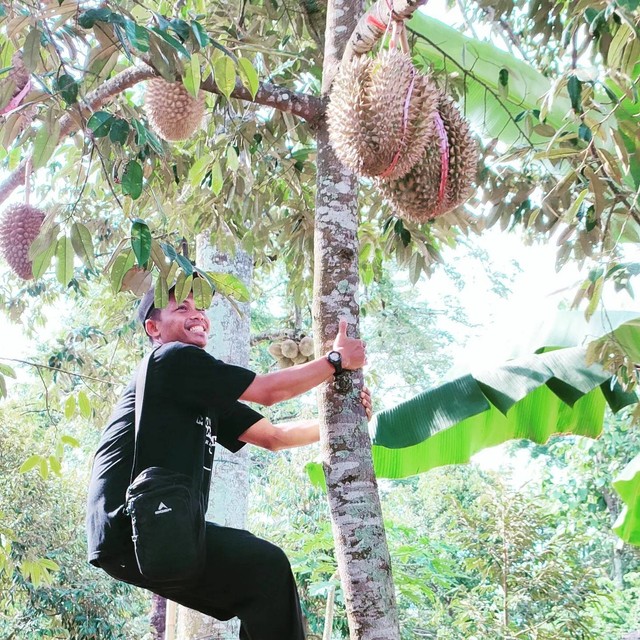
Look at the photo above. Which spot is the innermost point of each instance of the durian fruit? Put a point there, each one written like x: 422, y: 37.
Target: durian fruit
x: 284, y: 363
x: 173, y: 113
x: 419, y: 195
x: 380, y: 114
x: 300, y: 359
x: 275, y: 349
x: 19, y: 227
x: 289, y: 348
x: 305, y: 346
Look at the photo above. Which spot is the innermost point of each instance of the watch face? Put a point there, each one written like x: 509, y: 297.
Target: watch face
x: 334, y: 356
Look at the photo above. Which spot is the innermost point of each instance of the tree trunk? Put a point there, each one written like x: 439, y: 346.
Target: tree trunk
x: 361, y: 548
x: 158, y: 616
x: 229, y: 341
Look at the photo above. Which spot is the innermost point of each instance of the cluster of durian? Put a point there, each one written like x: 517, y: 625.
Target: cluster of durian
x: 173, y: 113
x: 288, y: 352
x: 19, y: 227
x: 391, y: 123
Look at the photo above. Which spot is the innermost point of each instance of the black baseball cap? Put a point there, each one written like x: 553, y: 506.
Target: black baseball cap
x: 146, y: 305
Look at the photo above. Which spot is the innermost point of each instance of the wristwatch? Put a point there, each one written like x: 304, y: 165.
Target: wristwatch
x: 335, y: 359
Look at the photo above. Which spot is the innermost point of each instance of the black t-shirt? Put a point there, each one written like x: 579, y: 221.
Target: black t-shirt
x: 190, y: 401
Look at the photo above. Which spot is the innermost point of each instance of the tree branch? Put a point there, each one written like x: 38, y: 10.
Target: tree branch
x: 373, y: 24
x: 309, y: 107
x: 69, y: 122
x: 303, y: 105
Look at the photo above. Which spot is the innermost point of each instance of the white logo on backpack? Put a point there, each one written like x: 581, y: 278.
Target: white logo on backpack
x: 162, y: 508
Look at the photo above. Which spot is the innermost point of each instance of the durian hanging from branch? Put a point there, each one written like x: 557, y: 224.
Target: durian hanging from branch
x: 391, y: 123
x: 173, y: 113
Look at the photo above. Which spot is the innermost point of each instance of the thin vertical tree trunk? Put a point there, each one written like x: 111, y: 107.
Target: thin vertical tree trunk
x: 361, y: 548
x: 229, y: 341
x: 158, y: 616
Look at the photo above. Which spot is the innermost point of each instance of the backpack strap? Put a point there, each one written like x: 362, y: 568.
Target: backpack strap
x: 141, y: 380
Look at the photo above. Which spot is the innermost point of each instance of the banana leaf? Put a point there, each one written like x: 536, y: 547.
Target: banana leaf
x: 627, y: 484
x: 535, y: 397
x: 498, y: 87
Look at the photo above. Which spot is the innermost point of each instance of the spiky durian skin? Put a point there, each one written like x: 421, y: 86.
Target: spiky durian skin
x: 173, y: 113
x: 463, y: 154
x: 416, y: 196
x: 366, y: 116
x: 19, y: 227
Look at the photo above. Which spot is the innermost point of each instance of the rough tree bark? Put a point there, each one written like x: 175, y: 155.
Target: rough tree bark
x: 361, y: 548
x: 229, y: 340
x: 157, y: 617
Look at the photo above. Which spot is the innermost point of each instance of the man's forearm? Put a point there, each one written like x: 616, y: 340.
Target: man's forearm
x: 276, y: 386
x: 296, y: 433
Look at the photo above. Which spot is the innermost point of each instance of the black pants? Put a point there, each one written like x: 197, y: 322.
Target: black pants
x: 244, y: 576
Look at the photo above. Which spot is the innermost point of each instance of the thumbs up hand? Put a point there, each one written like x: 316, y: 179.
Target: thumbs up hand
x: 352, y: 350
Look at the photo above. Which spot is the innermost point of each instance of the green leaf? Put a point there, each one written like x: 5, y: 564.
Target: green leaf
x: 123, y: 262
x: 70, y: 440
x: 574, y: 87
x: 30, y: 463
x: 84, y: 404
x: 43, y: 259
x: 3, y: 387
x: 159, y: 259
x: 185, y: 263
x: 137, y: 35
x: 200, y: 35
x: 316, y: 475
x: 100, y: 123
x: 88, y: 18
x: 627, y: 484
x: 68, y: 89
x: 180, y: 27
x: 503, y: 82
x: 6, y: 370
x: 171, y: 41
x: 82, y: 244
x: 199, y: 169
x: 249, y: 76
x: 69, y: 407
x: 217, y: 179
x: 45, y: 144
x: 31, y: 49
x: 119, y: 131
x: 141, y: 132
x: 192, y: 76
x: 132, y: 179
x: 183, y: 287
x: 229, y: 285
x: 141, y: 241
x: 202, y: 293
x: 232, y: 159
x: 54, y: 465
x: 161, y: 293
x: 64, y: 261
x: 225, y: 75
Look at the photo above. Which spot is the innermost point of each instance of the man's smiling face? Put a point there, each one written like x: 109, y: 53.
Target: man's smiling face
x: 179, y: 322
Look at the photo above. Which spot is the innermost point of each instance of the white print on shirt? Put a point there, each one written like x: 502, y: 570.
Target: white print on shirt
x: 210, y: 438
